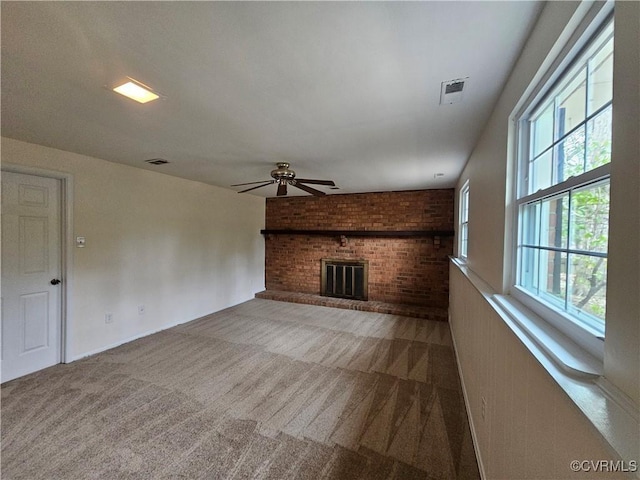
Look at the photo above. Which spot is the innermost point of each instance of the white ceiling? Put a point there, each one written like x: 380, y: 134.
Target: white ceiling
x: 342, y: 91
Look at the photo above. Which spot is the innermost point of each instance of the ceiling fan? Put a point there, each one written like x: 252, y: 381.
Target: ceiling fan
x: 283, y: 176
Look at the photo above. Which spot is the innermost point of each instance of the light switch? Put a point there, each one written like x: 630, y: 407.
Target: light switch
x: 81, y: 242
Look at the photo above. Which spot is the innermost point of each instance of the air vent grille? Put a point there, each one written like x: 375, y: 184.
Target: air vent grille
x: 157, y: 161
x: 451, y: 91
x: 454, y: 87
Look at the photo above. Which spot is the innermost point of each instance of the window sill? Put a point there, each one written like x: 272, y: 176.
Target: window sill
x: 574, y: 360
x: 574, y: 370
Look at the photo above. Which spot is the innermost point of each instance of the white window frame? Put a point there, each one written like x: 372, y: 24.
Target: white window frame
x: 589, y: 337
x: 463, y: 223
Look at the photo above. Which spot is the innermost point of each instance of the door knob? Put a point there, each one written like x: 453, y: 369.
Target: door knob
x: 55, y: 281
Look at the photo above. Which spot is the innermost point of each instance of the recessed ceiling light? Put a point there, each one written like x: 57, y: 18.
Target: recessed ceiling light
x: 136, y: 91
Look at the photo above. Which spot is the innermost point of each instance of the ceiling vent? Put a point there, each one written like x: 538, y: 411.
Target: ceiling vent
x: 452, y: 91
x: 157, y: 161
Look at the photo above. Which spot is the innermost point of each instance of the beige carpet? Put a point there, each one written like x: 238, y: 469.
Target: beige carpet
x: 267, y: 390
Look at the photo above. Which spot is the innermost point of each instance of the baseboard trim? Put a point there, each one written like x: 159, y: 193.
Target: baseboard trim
x: 126, y: 340
x: 144, y: 334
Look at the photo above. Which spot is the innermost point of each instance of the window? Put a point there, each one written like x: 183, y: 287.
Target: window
x: 464, y: 221
x: 563, y: 189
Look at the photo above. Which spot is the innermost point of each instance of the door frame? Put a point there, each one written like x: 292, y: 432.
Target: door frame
x: 66, y: 248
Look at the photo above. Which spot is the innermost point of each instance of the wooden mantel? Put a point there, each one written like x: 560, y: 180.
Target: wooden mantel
x: 363, y: 233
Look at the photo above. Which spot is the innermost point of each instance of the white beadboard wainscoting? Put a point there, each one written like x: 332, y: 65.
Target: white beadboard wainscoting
x: 536, y: 419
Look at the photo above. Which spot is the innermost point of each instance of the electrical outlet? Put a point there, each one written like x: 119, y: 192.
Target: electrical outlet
x: 108, y: 318
x: 140, y: 309
x: 484, y: 408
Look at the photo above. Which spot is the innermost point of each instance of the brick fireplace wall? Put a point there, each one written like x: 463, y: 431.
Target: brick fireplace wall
x: 401, y: 270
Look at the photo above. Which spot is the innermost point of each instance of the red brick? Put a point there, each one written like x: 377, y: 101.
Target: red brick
x: 401, y: 270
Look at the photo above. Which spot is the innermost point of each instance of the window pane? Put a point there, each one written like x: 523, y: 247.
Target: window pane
x: 569, y: 156
x: 530, y: 221
x: 540, y: 172
x: 587, y: 284
x: 529, y: 262
x: 572, y: 109
x: 542, y: 131
x: 464, y: 219
x: 464, y: 239
x: 590, y: 218
x: 599, y: 140
x: 553, y: 277
x: 465, y: 206
x: 554, y: 223
x: 601, y: 77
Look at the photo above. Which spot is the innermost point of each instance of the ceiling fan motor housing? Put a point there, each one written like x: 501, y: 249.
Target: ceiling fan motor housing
x: 282, y: 172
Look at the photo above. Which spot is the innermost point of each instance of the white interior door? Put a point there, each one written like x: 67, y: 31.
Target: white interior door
x: 31, y: 266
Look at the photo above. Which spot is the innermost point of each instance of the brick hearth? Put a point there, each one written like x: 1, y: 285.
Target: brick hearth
x: 429, y: 313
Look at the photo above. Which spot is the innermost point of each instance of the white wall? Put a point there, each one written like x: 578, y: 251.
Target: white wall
x: 183, y: 249
x: 490, y: 356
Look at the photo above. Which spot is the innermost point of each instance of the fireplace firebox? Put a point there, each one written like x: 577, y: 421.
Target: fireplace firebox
x: 345, y: 278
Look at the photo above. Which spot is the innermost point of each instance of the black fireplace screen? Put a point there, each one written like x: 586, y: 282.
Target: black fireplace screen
x: 345, y: 278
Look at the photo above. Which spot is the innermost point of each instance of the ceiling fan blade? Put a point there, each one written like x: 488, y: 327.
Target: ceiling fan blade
x: 250, y: 183
x: 316, y: 182
x: 282, y: 189
x: 253, y: 188
x: 310, y: 190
